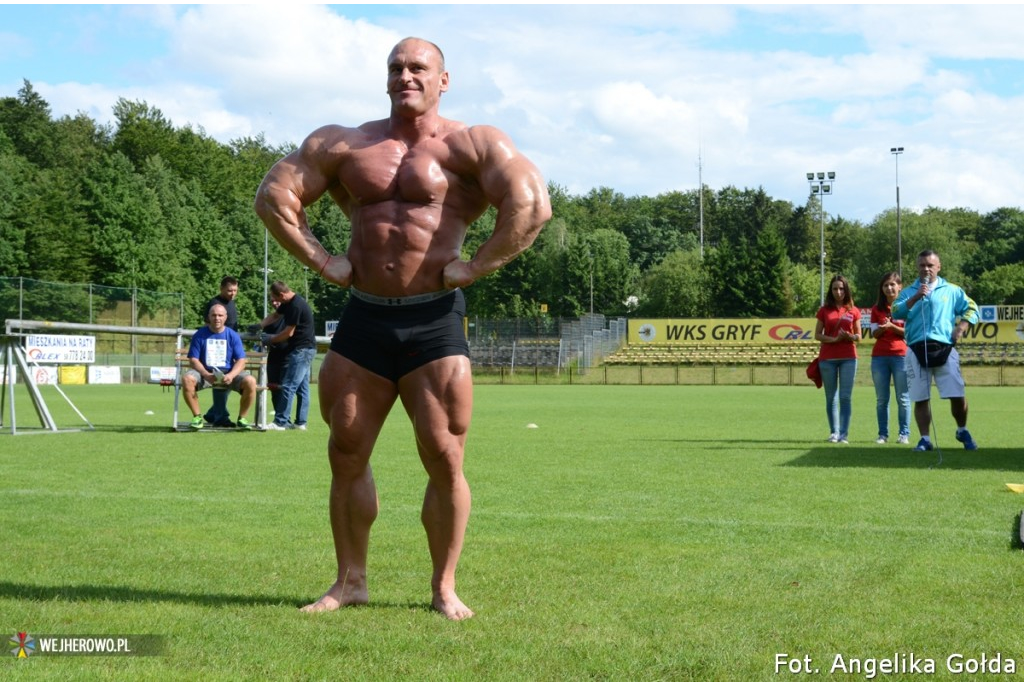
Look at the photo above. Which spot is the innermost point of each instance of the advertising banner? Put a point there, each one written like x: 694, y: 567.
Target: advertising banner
x: 45, y: 375
x: 104, y: 375
x: 717, y: 331
x: 61, y: 349
x: 72, y: 375
x: 778, y: 331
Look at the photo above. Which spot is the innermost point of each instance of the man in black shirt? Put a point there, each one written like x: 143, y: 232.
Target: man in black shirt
x: 275, y: 357
x: 218, y: 414
x: 298, y: 337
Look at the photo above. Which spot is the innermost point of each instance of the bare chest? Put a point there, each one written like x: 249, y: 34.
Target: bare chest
x: 389, y: 171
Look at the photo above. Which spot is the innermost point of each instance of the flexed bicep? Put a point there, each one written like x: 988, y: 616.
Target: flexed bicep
x: 293, y: 183
x: 301, y: 177
x: 514, y: 185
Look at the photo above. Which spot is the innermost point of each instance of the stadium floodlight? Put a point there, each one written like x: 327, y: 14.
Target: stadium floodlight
x: 820, y: 187
x: 896, y: 152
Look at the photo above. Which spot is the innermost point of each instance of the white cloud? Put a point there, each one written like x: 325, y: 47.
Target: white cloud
x: 290, y: 69
x: 625, y: 96
x: 631, y: 108
x: 956, y: 31
x: 190, y: 105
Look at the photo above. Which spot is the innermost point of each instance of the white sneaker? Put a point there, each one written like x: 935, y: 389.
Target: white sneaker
x: 843, y: 440
x: 296, y: 426
x: 275, y: 427
x: 882, y: 440
x: 834, y: 437
x: 903, y: 440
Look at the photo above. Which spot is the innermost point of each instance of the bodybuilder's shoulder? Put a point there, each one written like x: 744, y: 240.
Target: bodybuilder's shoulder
x: 482, y: 143
x: 334, y: 139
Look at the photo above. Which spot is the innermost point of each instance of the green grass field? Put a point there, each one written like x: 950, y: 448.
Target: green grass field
x: 637, y: 534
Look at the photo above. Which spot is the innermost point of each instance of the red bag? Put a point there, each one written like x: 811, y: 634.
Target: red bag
x: 814, y: 372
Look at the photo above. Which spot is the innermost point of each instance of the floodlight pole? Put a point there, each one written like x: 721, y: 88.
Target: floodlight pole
x: 821, y: 184
x: 591, y: 283
x: 700, y: 191
x: 896, y: 152
x: 266, y: 258
x: 266, y: 270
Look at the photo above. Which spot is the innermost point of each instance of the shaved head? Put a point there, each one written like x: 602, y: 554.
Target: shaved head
x: 413, y: 39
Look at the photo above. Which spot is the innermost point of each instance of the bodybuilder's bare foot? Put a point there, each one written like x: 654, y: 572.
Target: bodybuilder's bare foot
x: 339, y: 595
x: 451, y: 606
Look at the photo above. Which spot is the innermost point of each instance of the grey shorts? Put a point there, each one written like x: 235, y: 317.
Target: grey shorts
x: 201, y: 383
x: 948, y: 378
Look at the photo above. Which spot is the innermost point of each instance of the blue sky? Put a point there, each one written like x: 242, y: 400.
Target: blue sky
x: 619, y: 96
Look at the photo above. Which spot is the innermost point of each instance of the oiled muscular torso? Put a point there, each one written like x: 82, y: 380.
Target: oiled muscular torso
x: 409, y: 205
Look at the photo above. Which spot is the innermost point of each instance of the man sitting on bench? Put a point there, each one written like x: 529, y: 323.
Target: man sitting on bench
x: 217, y: 359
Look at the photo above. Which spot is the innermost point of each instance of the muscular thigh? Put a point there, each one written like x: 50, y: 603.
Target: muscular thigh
x: 438, y: 398
x: 354, y: 402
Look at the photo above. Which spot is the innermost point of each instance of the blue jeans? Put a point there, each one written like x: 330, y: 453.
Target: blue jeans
x: 884, y: 369
x: 219, y: 409
x: 837, y: 378
x: 294, y: 383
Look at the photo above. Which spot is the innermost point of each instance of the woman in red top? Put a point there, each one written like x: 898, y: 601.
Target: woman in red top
x: 838, y: 330
x: 888, y: 359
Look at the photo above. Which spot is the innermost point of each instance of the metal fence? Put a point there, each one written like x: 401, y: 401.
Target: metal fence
x: 27, y: 299
x: 710, y: 374
x: 541, y: 341
x: 557, y: 343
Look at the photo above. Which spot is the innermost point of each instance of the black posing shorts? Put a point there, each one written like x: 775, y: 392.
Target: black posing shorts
x: 392, y: 340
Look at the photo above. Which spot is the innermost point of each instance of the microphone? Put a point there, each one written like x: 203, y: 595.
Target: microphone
x: 926, y: 282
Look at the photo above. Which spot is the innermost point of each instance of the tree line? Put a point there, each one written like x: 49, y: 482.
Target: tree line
x: 141, y: 203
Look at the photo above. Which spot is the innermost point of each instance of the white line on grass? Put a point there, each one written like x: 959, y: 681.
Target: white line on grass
x: 958, y: 532
x: 86, y: 494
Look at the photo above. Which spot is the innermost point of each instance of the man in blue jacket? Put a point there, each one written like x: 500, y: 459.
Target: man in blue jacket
x: 937, y: 314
